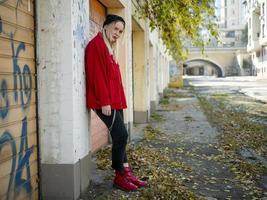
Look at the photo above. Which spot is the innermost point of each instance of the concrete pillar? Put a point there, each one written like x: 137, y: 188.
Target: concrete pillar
x: 62, y: 33
x: 157, y: 80
x: 168, y: 71
x: 160, y: 74
x: 147, y: 70
x: 152, y: 78
x: 165, y: 72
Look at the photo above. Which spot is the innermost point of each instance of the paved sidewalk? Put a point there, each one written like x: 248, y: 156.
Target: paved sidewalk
x: 186, y: 152
x: 258, y: 92
x: 252, y: 86
x: 190, y: 142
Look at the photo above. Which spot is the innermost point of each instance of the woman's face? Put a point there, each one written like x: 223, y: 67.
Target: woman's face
x: 114, y: 31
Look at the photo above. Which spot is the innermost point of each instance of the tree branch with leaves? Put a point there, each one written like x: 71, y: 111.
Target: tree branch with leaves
x: 180, y: 21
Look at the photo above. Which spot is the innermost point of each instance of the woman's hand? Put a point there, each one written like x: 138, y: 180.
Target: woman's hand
x: 106, y: 110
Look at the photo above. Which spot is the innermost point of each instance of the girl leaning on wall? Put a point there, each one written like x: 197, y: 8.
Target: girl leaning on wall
x: 105, y: 95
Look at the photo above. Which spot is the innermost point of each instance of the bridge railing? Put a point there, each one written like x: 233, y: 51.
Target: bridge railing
x: 215, y: 44
x: 218, y: 48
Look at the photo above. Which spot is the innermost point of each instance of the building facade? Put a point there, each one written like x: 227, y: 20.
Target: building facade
x: 47, y: 135
x: 257, y: 38
x: 231, y: 21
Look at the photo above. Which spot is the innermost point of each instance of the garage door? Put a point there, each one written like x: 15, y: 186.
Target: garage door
x: 97, y: 17
x: 99, y: 133
x: 18, y: 133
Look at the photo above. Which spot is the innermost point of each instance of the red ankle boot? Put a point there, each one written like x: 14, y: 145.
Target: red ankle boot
x: 134, y: 179
x: 121, y: 182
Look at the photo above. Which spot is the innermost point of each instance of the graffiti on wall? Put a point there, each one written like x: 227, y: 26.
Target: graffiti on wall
x: 24, y: 78
x: 79, y: 32
x: 1, y: 26
x: 4, y: 99
x: 25, y: 152
x: 18, y: 3
x: 20, y: 171
x: 80, y: 29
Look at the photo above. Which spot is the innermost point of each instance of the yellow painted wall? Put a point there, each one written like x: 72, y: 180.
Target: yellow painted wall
x: 140, y: 45
x: 139, y: 75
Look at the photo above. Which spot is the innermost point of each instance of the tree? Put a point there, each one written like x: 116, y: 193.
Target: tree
x: 179, y: 21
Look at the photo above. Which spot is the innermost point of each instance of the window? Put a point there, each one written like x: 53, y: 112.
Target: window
x: 249, y: 23
x: 230, y: 34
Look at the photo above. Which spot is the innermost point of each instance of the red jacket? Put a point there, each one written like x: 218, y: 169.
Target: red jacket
x: 103, y: 77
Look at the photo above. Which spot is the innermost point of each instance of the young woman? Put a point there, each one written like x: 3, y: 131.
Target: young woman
x: 105, y: 95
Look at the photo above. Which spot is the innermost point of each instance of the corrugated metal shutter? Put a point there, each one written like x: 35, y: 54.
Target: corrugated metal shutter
x: 18, y: 132
x: 99, y: 133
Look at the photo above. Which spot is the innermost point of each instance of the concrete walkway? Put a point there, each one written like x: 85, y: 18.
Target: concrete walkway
x: 252, y: 86
x: 197, y: 140
x: 192, y: 141
x: 258, y: 92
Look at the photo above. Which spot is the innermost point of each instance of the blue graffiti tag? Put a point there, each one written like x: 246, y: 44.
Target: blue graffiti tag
x: 18, y: 3
x: 1, y: 25
x: 6, y: 139
x: 24, y: 161
x: 23, y: 87
x: 27, y: 82
x: 4, y: 102
x: 26, y: 85
x: 80, y: 31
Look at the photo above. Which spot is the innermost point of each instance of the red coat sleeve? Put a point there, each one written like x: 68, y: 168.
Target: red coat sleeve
x: 97, y: 74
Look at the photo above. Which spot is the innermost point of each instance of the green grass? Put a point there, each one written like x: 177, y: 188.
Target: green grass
x: 219, y: 95
x: 164, y: 101
x: 157, y: 117
x: 173, y: 93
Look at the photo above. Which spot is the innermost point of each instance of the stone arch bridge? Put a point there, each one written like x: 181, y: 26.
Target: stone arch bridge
x: 225, y: 61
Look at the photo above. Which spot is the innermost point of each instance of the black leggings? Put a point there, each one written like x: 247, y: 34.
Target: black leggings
x: 119, y: 137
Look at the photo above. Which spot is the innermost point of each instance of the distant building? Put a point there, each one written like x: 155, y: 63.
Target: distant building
x: 257, y: 38
x: 231, y: 21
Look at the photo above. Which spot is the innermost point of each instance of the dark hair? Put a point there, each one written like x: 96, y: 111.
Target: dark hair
x: 113, y: 18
